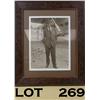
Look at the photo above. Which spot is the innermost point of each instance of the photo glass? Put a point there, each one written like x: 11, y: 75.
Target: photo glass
x: 49, y: 43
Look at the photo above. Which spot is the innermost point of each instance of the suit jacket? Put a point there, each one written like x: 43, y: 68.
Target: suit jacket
x: 50, y: 36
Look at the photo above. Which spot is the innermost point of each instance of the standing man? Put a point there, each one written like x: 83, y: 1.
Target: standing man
x: 49, y: 40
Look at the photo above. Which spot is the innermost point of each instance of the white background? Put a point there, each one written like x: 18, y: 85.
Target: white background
x: 7, y: 49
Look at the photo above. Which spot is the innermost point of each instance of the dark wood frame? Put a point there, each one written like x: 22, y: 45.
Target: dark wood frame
x: 20, y: 6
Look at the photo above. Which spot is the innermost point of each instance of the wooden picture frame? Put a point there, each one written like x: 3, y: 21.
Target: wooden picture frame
x: 23, y: 77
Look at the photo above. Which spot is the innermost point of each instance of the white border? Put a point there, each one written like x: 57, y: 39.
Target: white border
x: 69, y: 31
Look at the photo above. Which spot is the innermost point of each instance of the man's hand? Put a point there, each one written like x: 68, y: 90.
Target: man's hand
x: 61, y: 34
x: 43, y: 40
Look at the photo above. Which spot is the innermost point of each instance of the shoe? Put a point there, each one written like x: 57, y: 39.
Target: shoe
x: 55, y: 67
x: 47, y: 66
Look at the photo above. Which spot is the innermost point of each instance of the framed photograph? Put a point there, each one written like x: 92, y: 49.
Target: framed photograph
x: 45, y: 43
x: 49, y: 43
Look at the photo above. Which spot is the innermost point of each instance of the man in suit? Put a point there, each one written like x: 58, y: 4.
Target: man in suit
x: 49, y: 40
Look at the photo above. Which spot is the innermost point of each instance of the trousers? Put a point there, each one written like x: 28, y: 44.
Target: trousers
x: 50, y: 51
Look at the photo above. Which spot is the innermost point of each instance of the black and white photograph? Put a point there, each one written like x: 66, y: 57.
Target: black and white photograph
x: 49, y: 43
